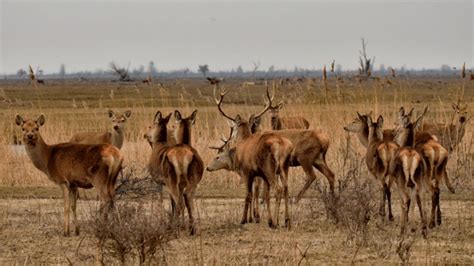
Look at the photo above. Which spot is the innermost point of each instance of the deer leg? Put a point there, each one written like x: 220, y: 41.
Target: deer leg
x: 447, y: 182
x: 284, y: 177
x: 322, y: 166
x: 266, y: 195
x: 73, y: 195
x: 310, y: 177
x: 389, y: 199
x: 256, y: 211
x: 405, y: 203
x: 382, y: 203
x: 248, y: 199
x: 438, y: 213
x: 66, y: 194
x: 424, y: 230
x: 188, y: 200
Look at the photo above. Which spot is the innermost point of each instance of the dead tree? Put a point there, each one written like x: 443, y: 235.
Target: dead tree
x: 366, y: 63
x: 121, y: 72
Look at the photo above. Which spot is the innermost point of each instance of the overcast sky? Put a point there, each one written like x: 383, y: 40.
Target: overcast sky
x: 88, y: 35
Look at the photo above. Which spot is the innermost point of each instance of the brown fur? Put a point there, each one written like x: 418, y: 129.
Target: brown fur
x: 73, y: 166
x: 379, y: 156
x: 114, y: 137
x: 434, y: 155
x: 278, y: 123
x: 263, y: 155
x: 408, y: 170
x: 179, y: 167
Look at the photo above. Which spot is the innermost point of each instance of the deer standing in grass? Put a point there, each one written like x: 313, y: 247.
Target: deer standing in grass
x: 73, y: 166
x: 309, y: 150
x: 435, y: 157
x: 379, y: 156
x: 360, y: 127
x: 449, y: 135
x: 115, y: 137
x: 411, y: 175
x: 264, y: 155
x: 178, y: 166
x: 293, y: 122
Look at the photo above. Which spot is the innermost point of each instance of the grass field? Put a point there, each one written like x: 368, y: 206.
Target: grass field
x: 31, y: 206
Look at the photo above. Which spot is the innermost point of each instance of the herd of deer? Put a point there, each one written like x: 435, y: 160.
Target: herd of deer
x: 413, y: 155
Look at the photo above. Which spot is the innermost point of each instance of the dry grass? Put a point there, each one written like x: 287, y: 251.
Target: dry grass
x: 30, y: 224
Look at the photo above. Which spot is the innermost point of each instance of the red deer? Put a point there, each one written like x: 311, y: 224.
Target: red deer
x: 264, y: 155
x: 73, y: 166
x: 179, y: 167
x: 114, y: 137
x: 293, y: 122
x: 449, y: 135
x: 379, y: 156
x: 435, y: 158
x: 410, y: 173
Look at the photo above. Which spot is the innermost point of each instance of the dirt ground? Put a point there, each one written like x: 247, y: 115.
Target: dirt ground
x: 30, y: 233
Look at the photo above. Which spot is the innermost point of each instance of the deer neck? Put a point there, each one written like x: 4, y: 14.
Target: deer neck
x: 161, y: 139
x: 276, y: 123
x: 243, y: 132
x: 182, y: 134
x: 117, y: 138
x: 363, y: 136
x: 39, y: 154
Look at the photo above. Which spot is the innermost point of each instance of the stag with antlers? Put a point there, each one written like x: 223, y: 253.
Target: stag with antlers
x: 264, y: 155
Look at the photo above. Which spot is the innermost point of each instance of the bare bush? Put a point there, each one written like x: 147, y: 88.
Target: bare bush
x: 130, y: 233
x: 352, y: 205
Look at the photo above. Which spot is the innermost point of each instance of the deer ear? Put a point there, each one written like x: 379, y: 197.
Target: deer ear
x: 411, y: 112
x: 361, y: 118
x: 111, y: 113
x: 380, y: 121
x: 238, y: 119
x: 41, y: 120
x: 128, y: 113
x: 280, y: 105
x: 455, y: 107
x: 167, y: 118
x: 158, y: 117
x: 401, y: 111
x: 177, y: 116
x: 369, y: 121
x: 19, y: 120
x: 193, y: 117
x: 418, y: 122
x: 405, y: 121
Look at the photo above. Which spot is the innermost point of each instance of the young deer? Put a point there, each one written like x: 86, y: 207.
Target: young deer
x: 379, y: 156
x: 264, y: 155
x: 410, y: 173
x: 179, y: 167
x: 449, y: 135
x: 435, y: 157
x: 182, y: 131
x: 114, y: 137
x: 73, y: 166
x: 360, y: 127
x: 294, y: 122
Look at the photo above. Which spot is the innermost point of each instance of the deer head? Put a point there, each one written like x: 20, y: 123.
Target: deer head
x: 240, y: 126
x: 225, y: 155
x: 118, y: 121
x: 375, y: 129
x: 30, y: 128
x: 157, y: 132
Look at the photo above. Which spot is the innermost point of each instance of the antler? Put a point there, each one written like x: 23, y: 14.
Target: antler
x: 268, y: 104
x: 224, y: 141
x: 219, y: 102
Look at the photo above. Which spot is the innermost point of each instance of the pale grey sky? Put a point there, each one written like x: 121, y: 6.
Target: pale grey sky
x: 88, y: 35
